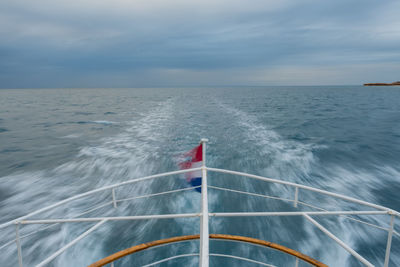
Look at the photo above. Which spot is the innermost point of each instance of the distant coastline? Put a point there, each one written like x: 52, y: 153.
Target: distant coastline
x: 383, y: 84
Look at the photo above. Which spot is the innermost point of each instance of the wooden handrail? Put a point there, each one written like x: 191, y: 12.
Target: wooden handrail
x: 260, y: 242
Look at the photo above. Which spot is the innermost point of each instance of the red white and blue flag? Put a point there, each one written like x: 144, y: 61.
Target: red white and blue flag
x: 193, y: 159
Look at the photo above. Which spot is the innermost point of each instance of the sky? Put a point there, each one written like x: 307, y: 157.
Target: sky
x: 168, y: 43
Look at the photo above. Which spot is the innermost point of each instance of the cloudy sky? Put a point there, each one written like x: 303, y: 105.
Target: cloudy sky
x: 135, y: 43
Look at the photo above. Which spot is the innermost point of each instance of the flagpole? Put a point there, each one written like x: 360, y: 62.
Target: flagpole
x: 204, y: 233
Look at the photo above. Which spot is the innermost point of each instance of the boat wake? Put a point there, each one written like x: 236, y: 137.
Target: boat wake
x: 151, y: 143
x: 133, y: 153
x: 291, y: 160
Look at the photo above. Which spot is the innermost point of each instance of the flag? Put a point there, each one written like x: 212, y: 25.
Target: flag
x: 193, y: 159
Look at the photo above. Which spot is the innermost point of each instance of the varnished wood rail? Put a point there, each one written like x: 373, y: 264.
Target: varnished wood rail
x: 255, y: 241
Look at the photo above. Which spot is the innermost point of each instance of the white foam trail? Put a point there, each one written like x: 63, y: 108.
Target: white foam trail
x: 124, y: 156
x: 294, y: 161
x: 290, y: 161
x: 71, y: 136
x: 287, y: 159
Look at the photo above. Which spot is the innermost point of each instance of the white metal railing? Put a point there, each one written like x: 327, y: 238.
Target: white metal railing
x: 212, y: 255
x: 205, y: 214
x: 70, y: 244
x: 204, y: 233
x: 309, y: 188
x: 109, y: 187
x: 295, y: 204
x: 340, y: 242
x: 171, y: 258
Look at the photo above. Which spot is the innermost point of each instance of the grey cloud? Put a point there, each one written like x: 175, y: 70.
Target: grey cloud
x: 151, y: 42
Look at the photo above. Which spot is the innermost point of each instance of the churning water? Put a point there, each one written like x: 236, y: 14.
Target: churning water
x: 55, y: 143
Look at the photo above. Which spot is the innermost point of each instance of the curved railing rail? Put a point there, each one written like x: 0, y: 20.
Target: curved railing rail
x: 266, y: 179
x: 309, y: 188
x: 104, y: 188
x: 137, y: 248
x: 204, y: 214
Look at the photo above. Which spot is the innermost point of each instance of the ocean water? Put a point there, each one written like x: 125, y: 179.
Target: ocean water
x: 55, y: 143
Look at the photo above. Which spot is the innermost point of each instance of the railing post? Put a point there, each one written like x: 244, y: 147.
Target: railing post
x: 70, y: 244
x: 389, y: 241
x: 204, y: 233
x: 18, y: 241
x: 340, y: 242
x: 113, y: 198
x: 296, y: 264
x: 296, y: 197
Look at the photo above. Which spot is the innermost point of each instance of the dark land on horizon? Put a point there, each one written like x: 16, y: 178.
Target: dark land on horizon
x: 383, y: 84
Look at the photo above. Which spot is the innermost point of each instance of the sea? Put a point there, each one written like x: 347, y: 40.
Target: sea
x: 56, y: 143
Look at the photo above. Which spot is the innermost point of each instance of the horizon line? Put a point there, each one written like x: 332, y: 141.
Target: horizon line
x: 180, y: 86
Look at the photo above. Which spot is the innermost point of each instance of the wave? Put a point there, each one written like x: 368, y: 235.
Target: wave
x: 285, y: 159
x: 292, y: 160
x: 97, y: 122
x: 142, y: 148
x: 129, y: 154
